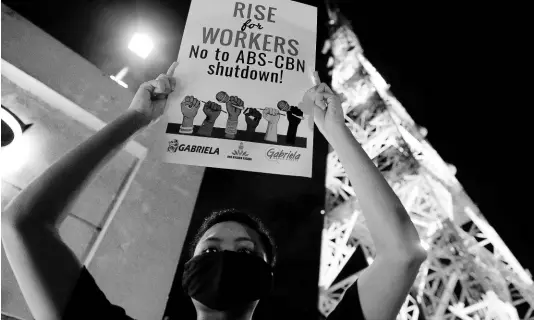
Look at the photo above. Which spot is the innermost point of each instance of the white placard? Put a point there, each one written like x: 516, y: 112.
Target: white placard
x: 243, y: 70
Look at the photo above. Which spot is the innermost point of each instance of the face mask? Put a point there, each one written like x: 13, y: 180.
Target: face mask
x: 225, y: 280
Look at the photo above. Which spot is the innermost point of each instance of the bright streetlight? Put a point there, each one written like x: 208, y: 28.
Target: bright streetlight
x: 141, y: 45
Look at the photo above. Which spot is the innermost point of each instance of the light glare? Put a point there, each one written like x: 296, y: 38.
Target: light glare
x: 141, y: 45
x: 119, y: 81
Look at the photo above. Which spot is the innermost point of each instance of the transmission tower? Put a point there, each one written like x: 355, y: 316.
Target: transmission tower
x: 470, y: 273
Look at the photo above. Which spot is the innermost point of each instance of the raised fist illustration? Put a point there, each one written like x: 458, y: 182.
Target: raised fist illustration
x: 212, y: 111
x: 189, y: 106
x: 252, y: 117
x: 283, y: 105
x: 272, y: 115
x: 293, y: 116
x: 234, y: 106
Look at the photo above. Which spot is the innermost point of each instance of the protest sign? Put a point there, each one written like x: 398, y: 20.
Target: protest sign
x: 243, y: 70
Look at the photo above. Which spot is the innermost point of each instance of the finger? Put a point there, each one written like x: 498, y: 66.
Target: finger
x: 173, y: 66
x: 165, y: 84
x: 321, y: 88
x: 319, y: 101
x: 159, y: 86
x: 318, y: 112
x: 149, y: 86
x: 327, y: 88
x: 324, y: 99
x: 315, y: 78
x: 172, y: 81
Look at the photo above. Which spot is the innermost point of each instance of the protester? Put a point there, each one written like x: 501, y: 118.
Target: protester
x: 233, y: 256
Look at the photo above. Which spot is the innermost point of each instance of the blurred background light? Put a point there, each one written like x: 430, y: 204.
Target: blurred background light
x: 141, y: 44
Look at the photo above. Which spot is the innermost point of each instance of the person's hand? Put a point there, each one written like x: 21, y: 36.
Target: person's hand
x: 150, y: 100
x: 190, y: 107
x: 252, y: 117
x: 234, y: 107
x: 294, y: 115
x: 212, y: 111
x: 327, y: 111
x: 272, y: 115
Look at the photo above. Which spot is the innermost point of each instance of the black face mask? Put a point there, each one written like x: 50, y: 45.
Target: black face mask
x: 227, y: 279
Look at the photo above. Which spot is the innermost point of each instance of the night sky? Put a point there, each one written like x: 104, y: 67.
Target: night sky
x: 440, y: 60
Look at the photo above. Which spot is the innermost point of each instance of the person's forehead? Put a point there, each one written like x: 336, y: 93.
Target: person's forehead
x: 230, y: 229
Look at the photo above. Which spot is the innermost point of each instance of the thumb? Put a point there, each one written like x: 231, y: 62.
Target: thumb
x: 321, y: 99
x: 319, y: 112
x: 149, y: 86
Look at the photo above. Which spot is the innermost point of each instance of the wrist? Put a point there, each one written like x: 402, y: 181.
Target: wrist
x: 272, y: 133
x: 231, y: 128
x: 291, y: 132
x: 206, y: 128
x: 139, y: 119
x: 187, y: 126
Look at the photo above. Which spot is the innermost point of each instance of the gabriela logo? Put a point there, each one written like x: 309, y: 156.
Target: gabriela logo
x: 240, y: 153
x: 275, y: 154
x: 174, y: 146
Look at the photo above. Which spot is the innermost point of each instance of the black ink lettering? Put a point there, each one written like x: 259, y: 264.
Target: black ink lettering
x: 279, y: 43
x: 241, y: 36
x: 239, y: 6
x: 293, y: 44
x: 266, y: 42
x: 253, y: 39
x: 259, y: 10
x: 210, y: 69
x: 270, y: 15
x: 230, y: 35
x: 210, y: 36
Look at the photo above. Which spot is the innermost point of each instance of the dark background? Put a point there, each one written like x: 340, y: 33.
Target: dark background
x: 447, y: 63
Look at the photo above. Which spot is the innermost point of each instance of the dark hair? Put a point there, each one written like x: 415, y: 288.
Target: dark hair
x: 243, y: 218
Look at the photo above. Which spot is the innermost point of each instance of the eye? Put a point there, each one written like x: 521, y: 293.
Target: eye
x: 210, y: 250
x: 245, y: 250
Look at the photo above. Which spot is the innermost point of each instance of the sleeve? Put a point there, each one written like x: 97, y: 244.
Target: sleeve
x: 349, y: 307
x: 87, y: 301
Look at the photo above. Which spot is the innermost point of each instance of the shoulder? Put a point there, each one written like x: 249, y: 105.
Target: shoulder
x: 89, y: 302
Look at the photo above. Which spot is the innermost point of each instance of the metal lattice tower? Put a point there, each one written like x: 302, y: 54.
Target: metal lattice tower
x: 470, y: 273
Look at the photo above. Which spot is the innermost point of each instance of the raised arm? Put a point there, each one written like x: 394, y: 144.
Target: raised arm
x: 45, y: 268
x: 384, y: 285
